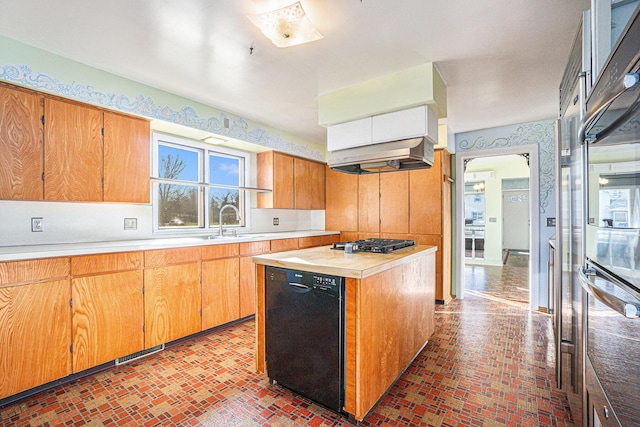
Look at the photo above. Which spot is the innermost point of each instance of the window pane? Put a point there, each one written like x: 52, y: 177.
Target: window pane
x: 224, y: 170
x: 177, y: 163
x: 219, y: 197
x: 178, y: 205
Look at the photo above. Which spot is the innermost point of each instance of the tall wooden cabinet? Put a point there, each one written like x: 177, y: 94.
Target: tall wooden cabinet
x: 341, y: 212
x: 21, y: 162
x: 401, y: 205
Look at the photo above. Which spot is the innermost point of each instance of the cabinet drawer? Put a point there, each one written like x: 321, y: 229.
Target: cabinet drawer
x: 102, y: 263
x: 310, y: 242
x: 164, y: 257
x: 255, y: 248
x: 33, y: 270
x: 283, y: 245
x: 220, y: 251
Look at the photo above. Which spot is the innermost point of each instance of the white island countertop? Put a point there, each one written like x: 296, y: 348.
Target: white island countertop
x: 17, y: 253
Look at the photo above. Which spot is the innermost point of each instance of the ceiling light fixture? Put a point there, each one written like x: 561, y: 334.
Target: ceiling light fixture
x: 214, y: 140
x: 288, y: 26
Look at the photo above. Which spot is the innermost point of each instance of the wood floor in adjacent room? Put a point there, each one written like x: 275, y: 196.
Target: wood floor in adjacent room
x: 490, y: 363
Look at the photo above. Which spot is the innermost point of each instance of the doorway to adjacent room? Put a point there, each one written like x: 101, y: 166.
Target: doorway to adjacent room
x: 496, y: 214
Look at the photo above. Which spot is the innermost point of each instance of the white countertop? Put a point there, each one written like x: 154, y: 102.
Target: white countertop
x: 16, y: 253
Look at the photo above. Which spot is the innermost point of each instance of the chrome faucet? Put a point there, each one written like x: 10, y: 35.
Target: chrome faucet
x: 220, y: 219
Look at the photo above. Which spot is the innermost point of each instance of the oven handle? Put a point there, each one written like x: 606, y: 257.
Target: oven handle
x: 629, y: 81
x: 625, y: 308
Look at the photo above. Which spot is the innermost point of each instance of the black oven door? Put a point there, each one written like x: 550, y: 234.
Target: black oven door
x: 612, y: 348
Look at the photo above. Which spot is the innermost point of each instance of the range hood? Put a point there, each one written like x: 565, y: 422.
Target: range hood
x: 399, y: 140
x: 406, y: 154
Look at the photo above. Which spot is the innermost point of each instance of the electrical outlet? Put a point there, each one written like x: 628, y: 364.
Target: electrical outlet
x: 131, y: 223
x: 36, y: 225
x: 551, y: 222
x: 276, y: 221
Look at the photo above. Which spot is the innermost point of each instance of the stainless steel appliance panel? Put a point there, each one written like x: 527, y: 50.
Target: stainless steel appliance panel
x: 613, y: 344
x: 571, y: 160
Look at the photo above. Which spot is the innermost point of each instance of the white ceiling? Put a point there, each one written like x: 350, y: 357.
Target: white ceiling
x: 502, y: 60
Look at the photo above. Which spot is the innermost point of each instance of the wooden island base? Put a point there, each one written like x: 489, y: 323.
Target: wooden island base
x: 390, y: 313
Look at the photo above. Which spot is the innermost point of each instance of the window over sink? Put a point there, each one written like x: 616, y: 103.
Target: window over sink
x: 193, y: 180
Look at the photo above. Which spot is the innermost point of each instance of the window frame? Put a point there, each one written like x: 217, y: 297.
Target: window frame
x: 204, y: 150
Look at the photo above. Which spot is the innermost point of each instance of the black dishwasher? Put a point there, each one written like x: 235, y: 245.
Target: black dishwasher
x: 305, y: 334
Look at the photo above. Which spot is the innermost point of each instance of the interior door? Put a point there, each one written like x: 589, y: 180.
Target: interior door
x: 515, y: 215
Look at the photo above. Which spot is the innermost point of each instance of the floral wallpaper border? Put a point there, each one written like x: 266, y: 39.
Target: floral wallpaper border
x: 239, y: 128
x: 540, y: 133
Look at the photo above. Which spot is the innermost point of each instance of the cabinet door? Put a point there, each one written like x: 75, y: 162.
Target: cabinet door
x: 425, y: 198
x: 247, y: 287
x: 35, y: 335
x: 341, y: 212
x: 283, y: 191
x: 220, y: 292
x: 275, y: 171
x: 302, y: 185
x: 316, y: 185
x: 248, y: 275
x: 20, y: 145
x: 369, y: 203
x: 394, y: 202
x: 72, y: 152
x: 171, y: 303
x: 126, y: 159
x: 108, y: 315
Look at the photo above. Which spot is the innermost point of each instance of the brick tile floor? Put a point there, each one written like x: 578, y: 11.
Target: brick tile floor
x: 490, y: 363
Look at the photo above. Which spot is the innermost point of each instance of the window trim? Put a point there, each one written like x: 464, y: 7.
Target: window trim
x: 204, y: 149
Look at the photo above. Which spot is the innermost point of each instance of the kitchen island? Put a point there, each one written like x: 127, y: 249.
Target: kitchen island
x: 389, y: 313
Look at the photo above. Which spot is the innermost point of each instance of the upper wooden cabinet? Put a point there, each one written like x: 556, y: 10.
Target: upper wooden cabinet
x: 72, y: 152
x: 80, y: 153
x: 20, y: 145
x: 295, y: 183
x: 309, y: 184
x: 275, y: 171
x: 126, y: 159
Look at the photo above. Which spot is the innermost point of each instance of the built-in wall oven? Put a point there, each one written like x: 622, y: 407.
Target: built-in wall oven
x: 611, y: 272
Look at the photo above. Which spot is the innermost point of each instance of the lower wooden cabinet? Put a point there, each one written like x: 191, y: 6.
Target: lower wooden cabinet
x: 248, y: 275
x: 171, y: 303
x: 108, y: 318
x: 220, y: 292
x: 34, y: 336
